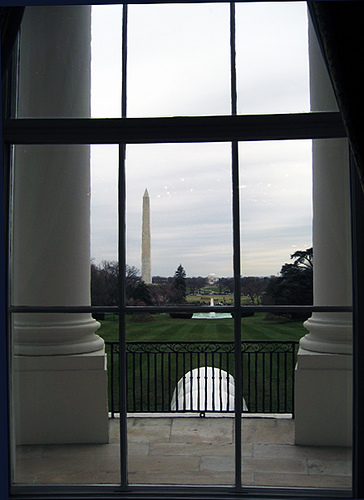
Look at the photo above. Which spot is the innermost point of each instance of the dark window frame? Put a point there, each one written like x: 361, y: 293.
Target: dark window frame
x: 231, y: 129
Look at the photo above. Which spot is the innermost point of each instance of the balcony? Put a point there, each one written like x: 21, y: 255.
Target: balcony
x: 195, y: 445
x: 191, y: 450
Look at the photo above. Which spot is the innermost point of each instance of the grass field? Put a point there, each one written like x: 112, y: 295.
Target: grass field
x: 163, y: 328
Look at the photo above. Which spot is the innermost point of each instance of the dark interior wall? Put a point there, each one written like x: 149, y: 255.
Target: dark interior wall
x: 339, y: 26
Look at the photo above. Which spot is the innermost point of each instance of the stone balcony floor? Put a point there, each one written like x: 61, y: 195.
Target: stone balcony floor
x: 190, y: 451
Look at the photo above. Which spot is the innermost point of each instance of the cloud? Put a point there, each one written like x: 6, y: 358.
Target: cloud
x: 178, y: 60
x: 190, y: 188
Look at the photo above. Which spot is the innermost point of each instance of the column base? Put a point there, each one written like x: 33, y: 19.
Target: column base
x: 323, y: 399
x: 60, y: 399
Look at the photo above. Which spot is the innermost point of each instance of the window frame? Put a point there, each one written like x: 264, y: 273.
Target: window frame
x: 233, y: 129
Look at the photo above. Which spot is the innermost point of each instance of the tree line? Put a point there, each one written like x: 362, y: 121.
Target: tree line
x: 171, y: 290
x: 293, y: 286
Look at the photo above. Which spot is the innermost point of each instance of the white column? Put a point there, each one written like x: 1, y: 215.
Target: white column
x: 51, y: 258
x: 323, y: 372
x: 60, y: 375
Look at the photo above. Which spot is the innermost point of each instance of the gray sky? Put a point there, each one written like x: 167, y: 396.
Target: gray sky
x: 178, y: 64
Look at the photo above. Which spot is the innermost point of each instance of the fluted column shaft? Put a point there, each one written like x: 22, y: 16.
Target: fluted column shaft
x: 329, y: 332
x: 51, y: 224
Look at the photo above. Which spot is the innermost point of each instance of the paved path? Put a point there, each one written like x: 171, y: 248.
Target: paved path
x: 191, y: 451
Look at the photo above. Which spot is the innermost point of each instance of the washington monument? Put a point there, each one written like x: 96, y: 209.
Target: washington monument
x: 146, y: 244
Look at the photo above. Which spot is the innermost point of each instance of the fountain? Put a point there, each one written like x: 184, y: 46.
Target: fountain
x: 211, y: 314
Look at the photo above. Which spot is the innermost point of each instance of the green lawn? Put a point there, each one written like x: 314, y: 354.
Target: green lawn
x: 164, y: 328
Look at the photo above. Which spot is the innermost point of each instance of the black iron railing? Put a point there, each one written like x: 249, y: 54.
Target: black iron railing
x: 199, y: 376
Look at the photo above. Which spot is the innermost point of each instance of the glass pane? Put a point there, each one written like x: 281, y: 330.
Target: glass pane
x: 60, y: 421
x: 272, y: 57
x: 181, y: 393
x: 276, y: 214
x: 70, y: 65
x: 104, y: 225
x: 178, y: 60
x: 106, y: 61
x: 299, y: 393
x: 270, y: 457
x: 180, y: 365
x: 185, y: 192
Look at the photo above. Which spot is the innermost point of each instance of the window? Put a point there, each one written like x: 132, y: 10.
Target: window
x: 168, y: 134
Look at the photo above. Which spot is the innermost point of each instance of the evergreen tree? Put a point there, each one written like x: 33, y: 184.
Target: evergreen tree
x: 294, y: 286
x: 179, y: 285
x: 141, y: 293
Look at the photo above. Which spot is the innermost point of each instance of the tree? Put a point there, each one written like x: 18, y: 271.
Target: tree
x: 132, y: 279
x: 179, y: 285
x: 141, y: 294
x: 195, y: 283
x: 294, y: 286
x: 105, y: 283
x: 304, y: 259
x: 160, y: 294
x: 254, y: 287
x: 226, y: 285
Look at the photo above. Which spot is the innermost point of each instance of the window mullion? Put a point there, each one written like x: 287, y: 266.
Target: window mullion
x: 122, y: 325
x: 236, y: 259
x: 237, y: 314
x: 124, y: 53
x: 122, y: 268
x: 233, y: 60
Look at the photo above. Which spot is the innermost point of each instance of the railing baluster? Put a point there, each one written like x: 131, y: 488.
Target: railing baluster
x: 293, y: 348
x: 256, y: 381
x: 127, y: 355
x: 213, y: 382
x: 205, y: 375
x: 285, y: 381
x: 249, y: 400
x: 228, y: 385
x: 155, y: 383
x: 263, y: 382
x: 112, y: 381
x: 162, y: 379
x: 220, y: 361
x: 191, y: 382
x: 141, y: 380
x: 278, y: 392
x: 270, y: 381
x: 176, y: 379
x: 134, y: 402
x: 148, y: 382
x: 198, y: 382
x: 184, y: 381
x: 169, y: 378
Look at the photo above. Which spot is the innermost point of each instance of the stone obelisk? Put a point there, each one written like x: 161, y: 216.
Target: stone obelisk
x: 146, y: 241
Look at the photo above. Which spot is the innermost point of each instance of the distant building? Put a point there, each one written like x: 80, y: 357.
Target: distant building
x: 212, y: 279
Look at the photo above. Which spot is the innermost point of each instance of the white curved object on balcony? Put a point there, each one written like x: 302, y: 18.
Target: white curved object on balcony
x: 205, y: 389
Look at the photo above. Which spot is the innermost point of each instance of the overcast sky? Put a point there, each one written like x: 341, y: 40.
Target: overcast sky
x: 178, y: 64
